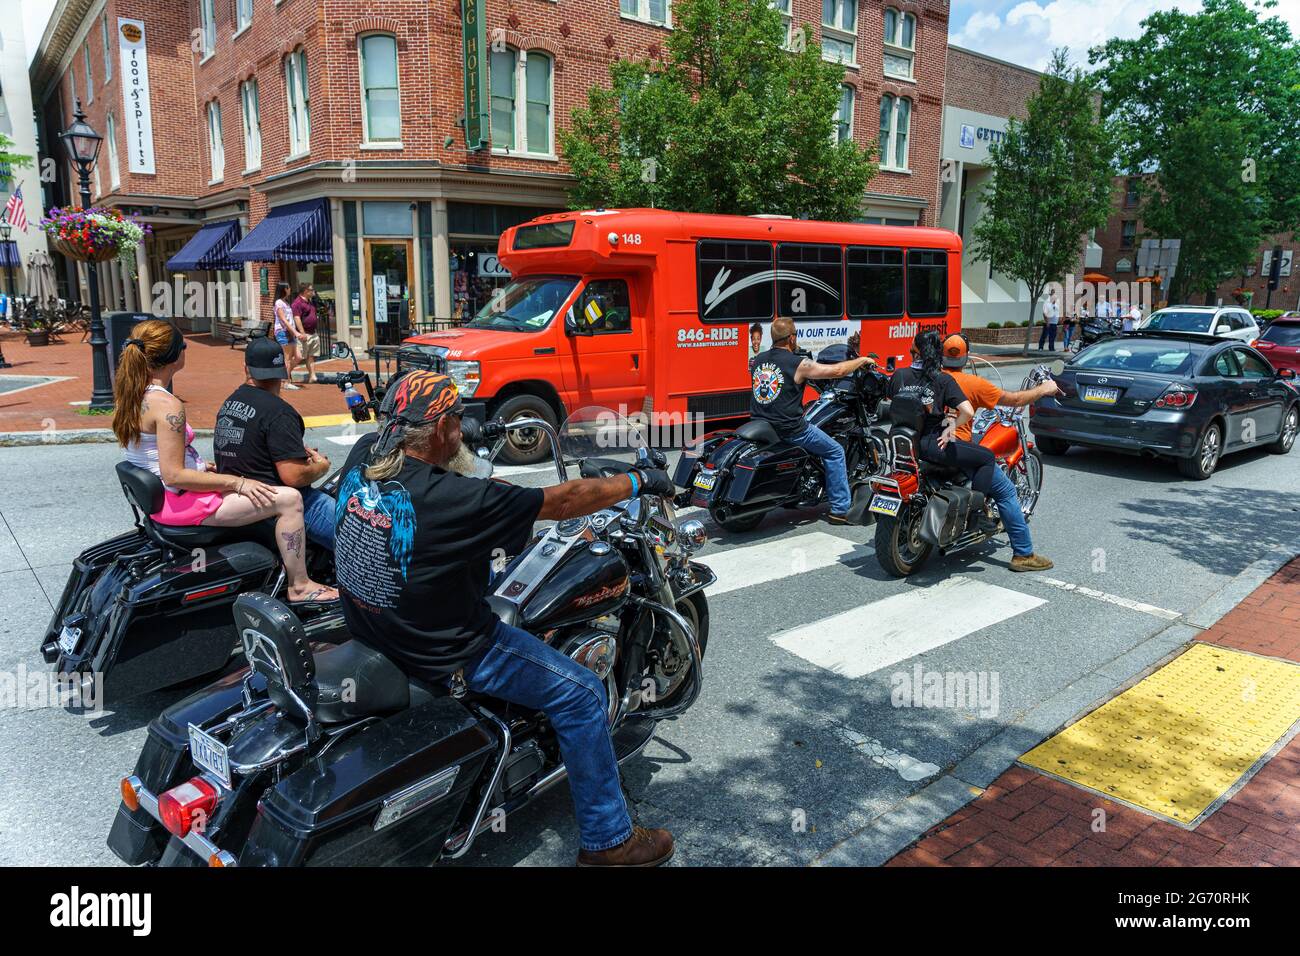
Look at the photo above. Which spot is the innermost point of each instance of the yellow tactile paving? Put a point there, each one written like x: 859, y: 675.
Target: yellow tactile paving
x: 1177, y: 740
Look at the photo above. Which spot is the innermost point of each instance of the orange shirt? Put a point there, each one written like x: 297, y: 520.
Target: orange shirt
x: 980, y: 391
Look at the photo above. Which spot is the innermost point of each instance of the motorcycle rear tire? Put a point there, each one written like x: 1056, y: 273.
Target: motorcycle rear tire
x: 893, y: 550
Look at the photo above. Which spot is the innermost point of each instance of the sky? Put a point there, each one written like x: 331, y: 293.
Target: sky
x: 1020, y: 31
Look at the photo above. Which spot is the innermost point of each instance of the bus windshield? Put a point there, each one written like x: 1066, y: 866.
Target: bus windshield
x: 525, y: 305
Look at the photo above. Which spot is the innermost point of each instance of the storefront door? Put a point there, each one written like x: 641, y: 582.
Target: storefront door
x: 390, y: 279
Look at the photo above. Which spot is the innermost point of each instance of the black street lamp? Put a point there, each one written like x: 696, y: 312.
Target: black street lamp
x: 5, y: 230
x: 82, y: 144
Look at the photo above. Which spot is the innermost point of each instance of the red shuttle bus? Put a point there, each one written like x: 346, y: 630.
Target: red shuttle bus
x: 659, y: 312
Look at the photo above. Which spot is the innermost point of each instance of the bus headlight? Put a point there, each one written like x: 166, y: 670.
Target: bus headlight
x: 465, y: 375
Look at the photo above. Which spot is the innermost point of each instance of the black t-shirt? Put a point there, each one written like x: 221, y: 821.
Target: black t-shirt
x: 775, y: 395
x: 413, y: 558
x: 256, y: 429
x: 935, y: 394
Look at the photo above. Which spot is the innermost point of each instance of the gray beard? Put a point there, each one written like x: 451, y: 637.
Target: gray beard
x: 462, y: 462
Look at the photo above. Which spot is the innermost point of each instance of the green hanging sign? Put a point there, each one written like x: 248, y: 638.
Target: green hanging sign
x: 476, y: 64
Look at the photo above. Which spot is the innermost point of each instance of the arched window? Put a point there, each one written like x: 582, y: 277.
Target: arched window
x: 900, y: 43
x: 895, y: 122
x: 250, y: 101
x: 840, y: 31
x: 522, y: 94
x: 380, y: 101
x: 298, y: 100
x: 216, y: 145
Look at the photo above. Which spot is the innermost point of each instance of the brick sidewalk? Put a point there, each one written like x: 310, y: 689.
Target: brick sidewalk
x: 1027, y: 818
x: 212, y: 371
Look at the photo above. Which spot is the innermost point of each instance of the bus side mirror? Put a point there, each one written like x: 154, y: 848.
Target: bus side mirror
x: 570, y: 323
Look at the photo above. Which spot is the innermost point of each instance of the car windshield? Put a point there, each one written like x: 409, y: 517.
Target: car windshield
x: 1168, y: 320
x: 525, y: 305
x: 1282, y: 333
x: 1130, y: 355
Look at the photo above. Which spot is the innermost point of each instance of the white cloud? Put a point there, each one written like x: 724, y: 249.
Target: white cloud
x: 1029, y: 31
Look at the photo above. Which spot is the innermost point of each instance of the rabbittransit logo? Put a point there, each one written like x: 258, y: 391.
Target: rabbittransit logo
x: 78, y: 909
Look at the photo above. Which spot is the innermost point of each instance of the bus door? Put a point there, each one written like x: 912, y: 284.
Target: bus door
x: 603, y: 358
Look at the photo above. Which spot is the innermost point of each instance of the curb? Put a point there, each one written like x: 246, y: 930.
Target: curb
x: 907, y: 821
x: 69, y: 436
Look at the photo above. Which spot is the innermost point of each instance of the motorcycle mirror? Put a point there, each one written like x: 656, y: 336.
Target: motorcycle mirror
x: 1057, y: 367
x: 341, y: 350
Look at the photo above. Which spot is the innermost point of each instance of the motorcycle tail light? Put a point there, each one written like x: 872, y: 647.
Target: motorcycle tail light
x: 908, y: 483
x: 1177, y: 396
x: 184, y: 806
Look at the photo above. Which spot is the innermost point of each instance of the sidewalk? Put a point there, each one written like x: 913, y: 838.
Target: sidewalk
x: 1031, y: 818
x: 212, y: 371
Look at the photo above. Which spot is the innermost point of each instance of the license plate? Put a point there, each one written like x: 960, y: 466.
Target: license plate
x: 68, y: 638
x: 885, y: 505
x: 705, y: 481
x: 1102, y: 396
x: 209, y: 754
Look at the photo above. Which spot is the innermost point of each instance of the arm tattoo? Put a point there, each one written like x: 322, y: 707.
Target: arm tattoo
x: 292, y: 542
x: 177, y: 421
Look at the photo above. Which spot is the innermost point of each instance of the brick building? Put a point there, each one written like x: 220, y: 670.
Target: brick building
x: 331, y: 130
x: 981, y: 94
x: 1124, y: 234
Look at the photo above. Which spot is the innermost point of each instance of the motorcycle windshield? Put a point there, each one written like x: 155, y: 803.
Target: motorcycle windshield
x: 596, y: 434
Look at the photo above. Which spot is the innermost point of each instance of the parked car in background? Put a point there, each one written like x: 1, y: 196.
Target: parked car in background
x: 1280, y: 342
x: 1224, y: 321
x: 1185, y: 396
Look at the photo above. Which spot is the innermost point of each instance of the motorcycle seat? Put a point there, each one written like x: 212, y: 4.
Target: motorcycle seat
x: 144, y: 490
x: 759, y: 431
x: 355, y: 681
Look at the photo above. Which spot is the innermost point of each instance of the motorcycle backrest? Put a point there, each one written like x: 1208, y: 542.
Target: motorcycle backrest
x: 276, y: 646
x: 907, y: 411
x: 142, y: 487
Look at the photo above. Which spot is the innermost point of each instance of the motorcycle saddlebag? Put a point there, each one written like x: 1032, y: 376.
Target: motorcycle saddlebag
x: 388, y: 794
x: 948, y: 514
x: 768, y: 473
x: 86, y: 570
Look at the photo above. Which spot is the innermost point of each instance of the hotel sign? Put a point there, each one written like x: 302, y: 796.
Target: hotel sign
x: 137, y: 112
x: 476, y: 64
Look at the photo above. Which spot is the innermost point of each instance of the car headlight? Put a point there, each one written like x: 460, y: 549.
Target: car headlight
x: 465, y: 375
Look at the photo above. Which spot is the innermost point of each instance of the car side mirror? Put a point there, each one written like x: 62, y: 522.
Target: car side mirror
x: 1286, y: 373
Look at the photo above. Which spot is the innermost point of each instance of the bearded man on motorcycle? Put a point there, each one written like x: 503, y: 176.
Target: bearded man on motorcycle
x: 414, y: 542
x: 778, y: 377
x: 942, y: 441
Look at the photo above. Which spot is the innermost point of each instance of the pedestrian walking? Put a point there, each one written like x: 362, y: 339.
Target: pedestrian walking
x: 1132, y: 318
x: 307, y: 320
x: 1051, y: 317
x: 285, y: 329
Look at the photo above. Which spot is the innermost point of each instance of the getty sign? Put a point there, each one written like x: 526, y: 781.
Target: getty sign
x: 137, y: 111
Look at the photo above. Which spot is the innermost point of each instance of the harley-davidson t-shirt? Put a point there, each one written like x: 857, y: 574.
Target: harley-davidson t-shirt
x: 413, y: 557
x: 256, y: 429
x: 936, y: 394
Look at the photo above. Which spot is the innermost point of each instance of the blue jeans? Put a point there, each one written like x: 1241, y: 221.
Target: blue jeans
x: 1048, y: 335
x: 318, y: 516
x: 521, y: 669
x: 1013, y: 519
x: 1069, y: 332
x: 817, y: 442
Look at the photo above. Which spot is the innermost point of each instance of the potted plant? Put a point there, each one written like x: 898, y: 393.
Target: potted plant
x: 95, y: 234
x: 38, y: 329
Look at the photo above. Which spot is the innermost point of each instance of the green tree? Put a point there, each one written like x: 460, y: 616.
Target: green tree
x: 730, y: 122
x: 1208, y: 104
x: 1052, y: 182
x: 8, y: 158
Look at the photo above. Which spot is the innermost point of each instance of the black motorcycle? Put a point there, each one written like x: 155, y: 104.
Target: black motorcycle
x: 151, y: 608
x: 1092, y: 330
x: 741, y: 474
x: 324, y: 752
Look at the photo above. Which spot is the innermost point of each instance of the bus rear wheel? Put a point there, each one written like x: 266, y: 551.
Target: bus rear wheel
x: 525, y: 446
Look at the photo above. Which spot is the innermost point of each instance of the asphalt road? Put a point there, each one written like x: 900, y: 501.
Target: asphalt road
x: 795, y: 744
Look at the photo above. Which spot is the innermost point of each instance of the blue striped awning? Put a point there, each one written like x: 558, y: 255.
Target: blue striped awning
x: 209, y: 248
x: 299, y: 232
x: 9, y: 254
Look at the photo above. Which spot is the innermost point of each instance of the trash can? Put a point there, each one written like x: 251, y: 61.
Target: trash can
x: 117, y: 329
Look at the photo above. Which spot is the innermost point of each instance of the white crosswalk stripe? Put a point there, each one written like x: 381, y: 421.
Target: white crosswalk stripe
x: 772, y: 560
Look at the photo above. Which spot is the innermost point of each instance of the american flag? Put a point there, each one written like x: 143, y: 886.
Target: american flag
x: 15, y: 211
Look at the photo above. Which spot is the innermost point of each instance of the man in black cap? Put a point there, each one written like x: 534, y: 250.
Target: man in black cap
x: 415, y: 541
x: 259, y: 435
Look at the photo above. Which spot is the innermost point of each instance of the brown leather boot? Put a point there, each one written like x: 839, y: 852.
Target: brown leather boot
x: 1031, y: 562
x: 643, y: 848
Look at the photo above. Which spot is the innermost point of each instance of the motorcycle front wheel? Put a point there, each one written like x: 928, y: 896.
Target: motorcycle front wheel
x: 1028, y: 482
x: 899, y: 548
x: 664, y: 665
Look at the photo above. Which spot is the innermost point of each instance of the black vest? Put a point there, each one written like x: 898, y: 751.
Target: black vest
x: 775, y: 396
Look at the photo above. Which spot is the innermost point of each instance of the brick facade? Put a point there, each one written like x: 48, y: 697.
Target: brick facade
x: 432, y: 165
x: 985, y: 85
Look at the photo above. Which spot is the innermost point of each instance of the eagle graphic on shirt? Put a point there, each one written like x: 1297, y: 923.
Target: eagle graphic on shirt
x: 385, y: 506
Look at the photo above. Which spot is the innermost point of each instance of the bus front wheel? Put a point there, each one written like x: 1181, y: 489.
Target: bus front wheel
x: 525, y: 446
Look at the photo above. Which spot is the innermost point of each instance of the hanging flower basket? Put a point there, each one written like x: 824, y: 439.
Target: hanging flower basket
x: 95, y: 234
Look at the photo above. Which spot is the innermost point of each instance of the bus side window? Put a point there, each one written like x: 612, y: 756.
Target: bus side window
x: 927, y: 282
x: 606, y: 307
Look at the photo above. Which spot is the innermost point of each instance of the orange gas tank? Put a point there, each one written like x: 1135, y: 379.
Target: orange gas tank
x: 1002, y: 440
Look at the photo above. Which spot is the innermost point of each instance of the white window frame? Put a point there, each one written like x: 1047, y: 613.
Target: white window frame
x: 216, y: 142
x: 110, y: 133
x: 90, y: 76
x: 207, y: 28
x: 888, y: 145
x: 839, y: 134
x: 297, y: 94
x: 252, y: 123
x: 108, y: 49
x: 519, y: 98
x: 642, y: 14
x: 894, y: 45
x: 840, y: 34
x: 784, y: 7
x: 243, y: 16
x: 367, y: 139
